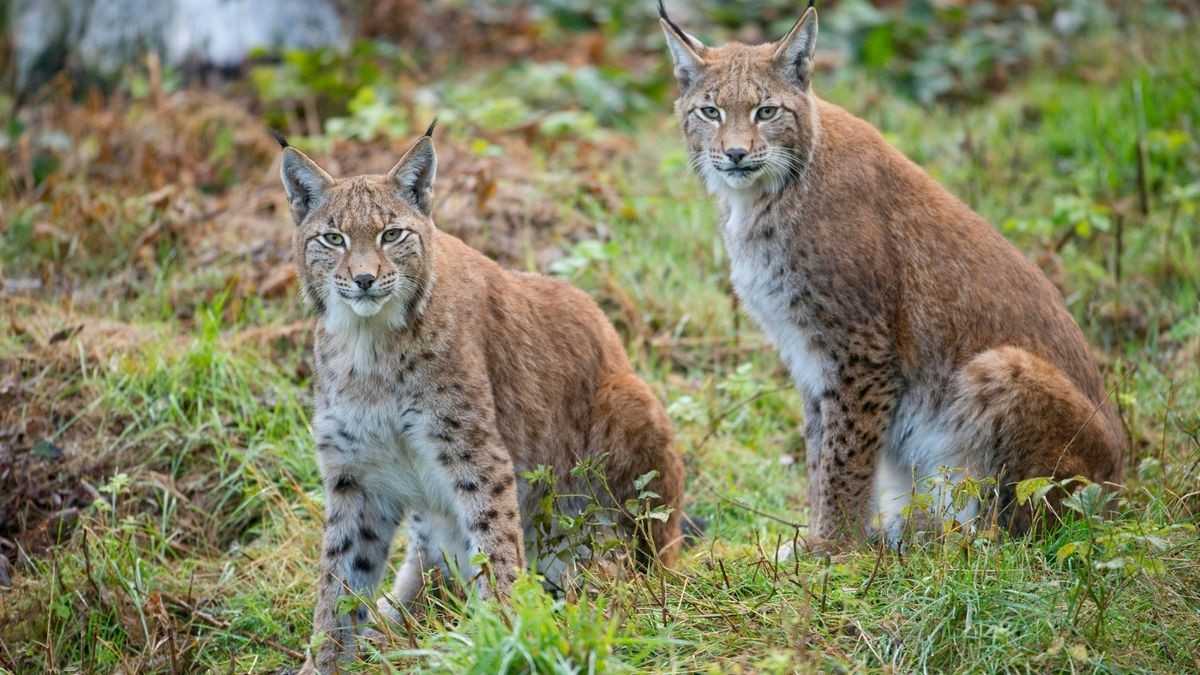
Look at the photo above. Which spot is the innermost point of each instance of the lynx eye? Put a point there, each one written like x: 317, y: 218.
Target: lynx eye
x: 767, y: 112
x: 333, y: 239
x: 393, y: 235
x: 710, y: 113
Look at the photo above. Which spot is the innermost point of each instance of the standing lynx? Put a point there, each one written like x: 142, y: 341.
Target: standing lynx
x: 440, y: 379
x: 918, y: 336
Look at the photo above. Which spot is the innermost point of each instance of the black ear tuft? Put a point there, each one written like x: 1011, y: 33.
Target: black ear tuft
x: 812, y: 3
x: 662, y: 12
x: 279, y: 137
x: 429, y: 131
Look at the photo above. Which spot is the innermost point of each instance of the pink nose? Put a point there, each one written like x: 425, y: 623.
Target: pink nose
x: 736, y: 154
x: 364, y: 281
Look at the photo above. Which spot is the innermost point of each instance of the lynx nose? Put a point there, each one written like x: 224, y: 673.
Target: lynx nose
x: 735, y: 154
x: 364, y: 281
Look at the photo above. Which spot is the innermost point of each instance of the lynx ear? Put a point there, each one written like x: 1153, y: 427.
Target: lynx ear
x: 794, y: 53
x: 413, y: 175
x: 686, y: 51
x: 304, y: 181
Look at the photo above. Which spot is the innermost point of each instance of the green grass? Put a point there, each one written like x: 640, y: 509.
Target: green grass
x: 203, y: 546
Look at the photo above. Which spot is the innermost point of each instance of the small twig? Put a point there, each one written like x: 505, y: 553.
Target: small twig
x: 87, y: 568
x: 742, y: 505
x: 724, y: 575
x: 226, y: 625
x: 825, y: 583
x: 1143, y: 186
x: 8, y: 661
x: 662, y: 589
x: 874, y: 570
x: 1196, y: 442
x: 716, y: 424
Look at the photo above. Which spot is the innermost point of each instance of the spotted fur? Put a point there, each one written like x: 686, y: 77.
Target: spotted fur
x: 440, y: 379
x: 918, y: 336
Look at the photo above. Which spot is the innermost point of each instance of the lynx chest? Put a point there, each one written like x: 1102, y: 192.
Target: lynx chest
x: 772, y: 293
x: 376, y: 427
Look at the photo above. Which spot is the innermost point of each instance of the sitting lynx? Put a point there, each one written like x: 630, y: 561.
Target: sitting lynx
x: 918, y: 336
x: 439, y: 379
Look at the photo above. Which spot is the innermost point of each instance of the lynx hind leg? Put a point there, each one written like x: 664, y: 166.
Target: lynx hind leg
x: 1029, y: 420
x: 631, y: 426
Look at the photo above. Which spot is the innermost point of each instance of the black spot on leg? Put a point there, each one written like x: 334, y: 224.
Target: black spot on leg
x: 481, y: 526
x: 367, y: 534
x: 363, y: 564
x: 451, y: 422
x: 344, y: 483
x: 467, y: 486
x: 344, y: 432
x: 502, y: 485
x: 491, y: 514
x: 342, y: 547
x: 443, y: 437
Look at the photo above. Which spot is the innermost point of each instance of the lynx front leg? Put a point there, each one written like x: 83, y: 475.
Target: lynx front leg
x: 855, y: 415
x: 485, y: 502
x: 358, y: 533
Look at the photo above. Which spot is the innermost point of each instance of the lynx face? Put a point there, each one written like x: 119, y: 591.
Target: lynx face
x: 363, y: 253
x: 747, y: 112
x: 362, y: 243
